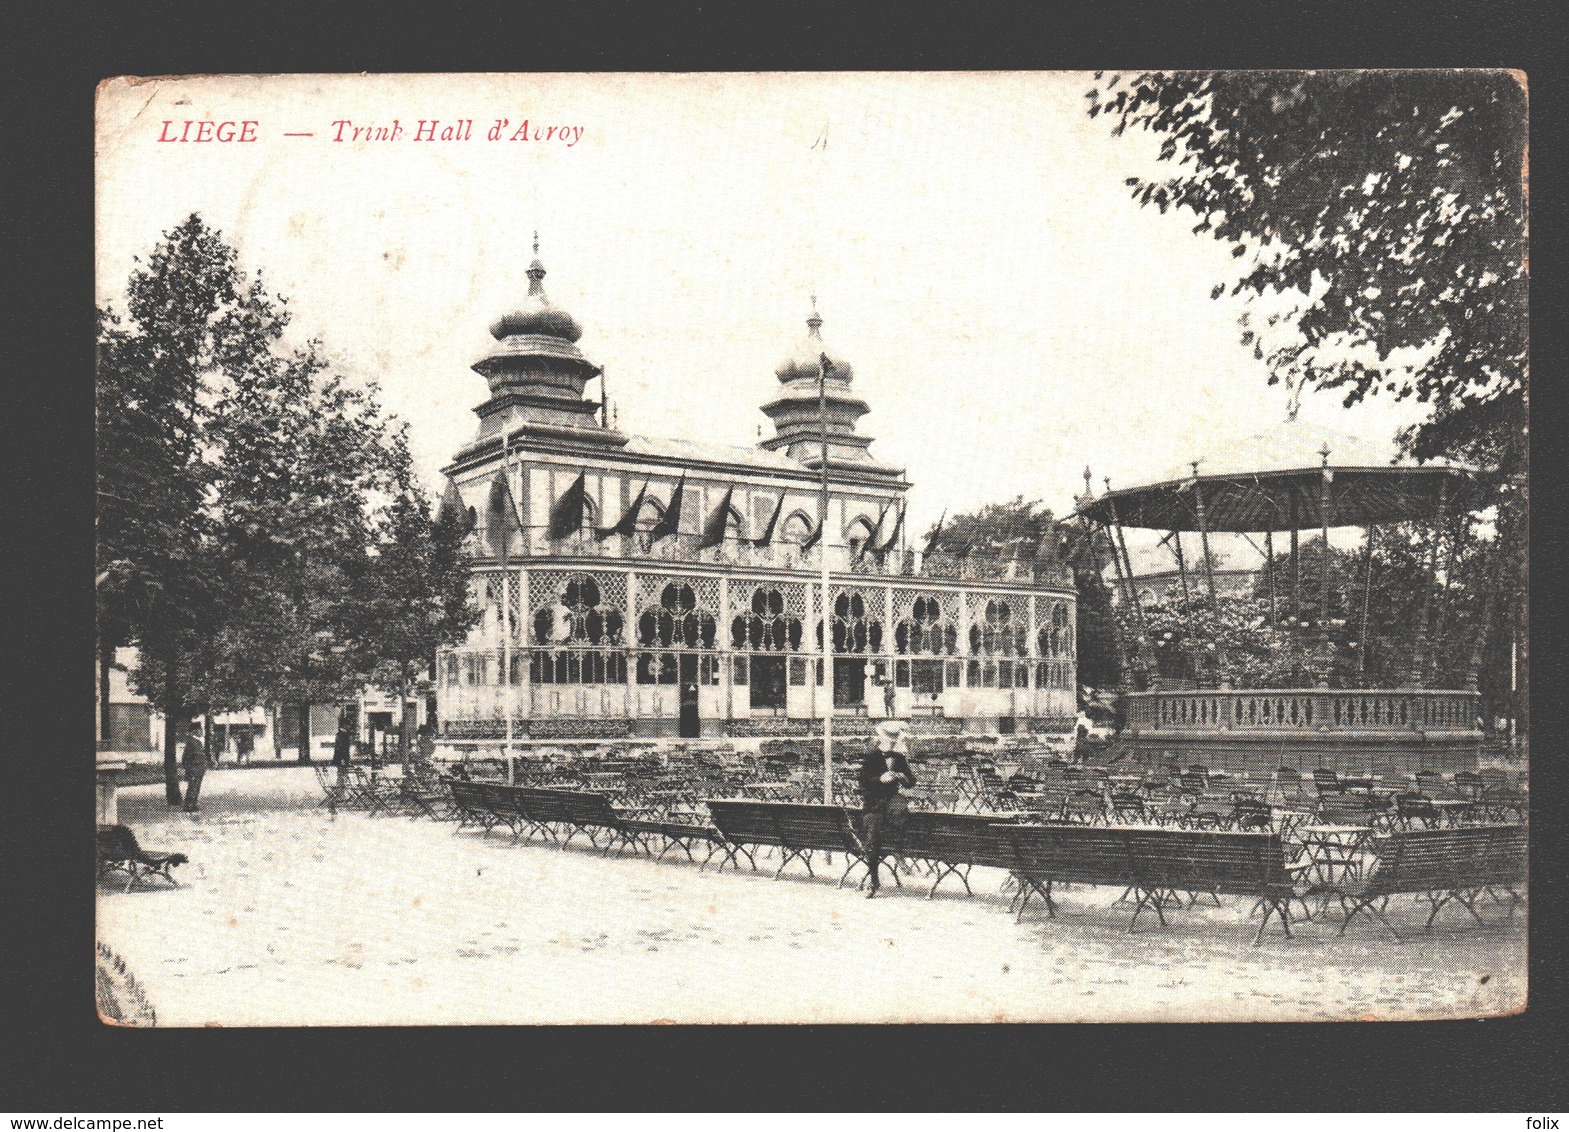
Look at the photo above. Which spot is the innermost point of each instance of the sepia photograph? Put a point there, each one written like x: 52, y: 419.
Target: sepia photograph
x: 744, y: 548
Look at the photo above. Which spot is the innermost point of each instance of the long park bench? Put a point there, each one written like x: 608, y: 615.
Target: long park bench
x: 1458, y: 865
x: 118, y: 851
x: 1155, y: 866
x: 953, y: 843
x: 471, y: 803
x: 796, y: 829
x: 555, y: 812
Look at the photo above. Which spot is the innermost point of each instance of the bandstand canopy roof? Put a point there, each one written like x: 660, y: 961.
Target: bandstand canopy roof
x: 1274, y: 482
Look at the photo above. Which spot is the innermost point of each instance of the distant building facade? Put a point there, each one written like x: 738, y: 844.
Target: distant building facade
x: 639, y: 587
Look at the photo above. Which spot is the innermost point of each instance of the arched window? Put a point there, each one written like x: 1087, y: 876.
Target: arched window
x: 854, y: 630
x: 578, y: 616
x: 766, y: 627
x: 1000, y: 632
x: 677, y: 623
x: 1055, y: 638
x: 925, y: 630
x: 858, y: 533
x: 650, y: 514
x: 798, y: 528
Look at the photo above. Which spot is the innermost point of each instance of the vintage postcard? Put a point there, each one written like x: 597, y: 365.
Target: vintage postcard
x: 747, y: 548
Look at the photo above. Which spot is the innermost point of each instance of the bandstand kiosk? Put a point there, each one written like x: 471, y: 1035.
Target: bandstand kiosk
x: 1277, y: 484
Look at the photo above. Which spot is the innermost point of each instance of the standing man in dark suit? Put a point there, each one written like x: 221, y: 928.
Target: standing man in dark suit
x: 195, y: 764
x: 884, y: 773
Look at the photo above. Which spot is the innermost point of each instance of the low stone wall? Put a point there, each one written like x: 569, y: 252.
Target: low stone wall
x: 1342, y: 753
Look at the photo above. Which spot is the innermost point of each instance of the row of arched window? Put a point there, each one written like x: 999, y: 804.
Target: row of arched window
x: 580, y: 617
x: 590, y: 666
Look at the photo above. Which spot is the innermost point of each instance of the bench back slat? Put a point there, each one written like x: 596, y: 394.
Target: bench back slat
x: 1184, y: 860
x: 1431, y: 860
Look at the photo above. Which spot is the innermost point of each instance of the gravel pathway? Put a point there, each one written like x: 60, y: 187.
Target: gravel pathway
x: 287, y: 916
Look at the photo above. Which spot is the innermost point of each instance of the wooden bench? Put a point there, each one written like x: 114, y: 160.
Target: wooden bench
x: 589, y: 813
x: 118, y: 851
x: 1156, y: 866
x: 796, y: 829
x: 954, y: 844
x: 471, y: 802
x: 553, y: 812
x: 1442, y: 865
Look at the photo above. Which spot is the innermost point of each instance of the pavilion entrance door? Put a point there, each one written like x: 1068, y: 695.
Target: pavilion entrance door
x: 690, y: 725
x: 849, y: 681
x: 768, y: 682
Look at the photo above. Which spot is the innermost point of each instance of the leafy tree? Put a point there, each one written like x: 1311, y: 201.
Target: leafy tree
x: 190, y: 317
x: 303, y: 458
x: 1016, y: 529
x: 1098, y: 659
x: 417, y: 593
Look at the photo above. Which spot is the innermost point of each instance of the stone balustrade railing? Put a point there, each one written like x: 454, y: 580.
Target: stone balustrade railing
x: 1303, y: 710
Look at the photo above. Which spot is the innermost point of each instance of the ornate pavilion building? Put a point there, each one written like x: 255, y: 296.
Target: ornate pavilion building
x: 636, y: 587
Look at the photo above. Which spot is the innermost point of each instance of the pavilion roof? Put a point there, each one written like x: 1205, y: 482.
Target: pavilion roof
x: 1275, y: 482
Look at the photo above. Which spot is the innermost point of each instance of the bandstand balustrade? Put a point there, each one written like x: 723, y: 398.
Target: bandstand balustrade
x: 1400, y: 730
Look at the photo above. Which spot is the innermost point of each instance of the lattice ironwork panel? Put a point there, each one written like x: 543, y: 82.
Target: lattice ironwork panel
x: 548, y: 587
x: 583, y: 606
x: 904, y: 603
x: 792, y: 594
x: 515, y: 603
x: 651, y: 591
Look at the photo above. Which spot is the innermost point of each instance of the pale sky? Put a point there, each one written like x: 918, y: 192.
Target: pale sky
x: 1010, y: 313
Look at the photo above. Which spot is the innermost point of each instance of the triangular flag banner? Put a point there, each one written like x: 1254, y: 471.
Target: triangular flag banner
x: 768, y: 532
x: 714, y: 528
x: 893, y: 535
x: 936, y: 535
x: 566, y: 517
x: 501, y: 521
x: 811, y: 539
x: 628, y: 522
x: 671, y: 522
x: 451, y: 508
x: 871, y: 539
x: 828, y: 366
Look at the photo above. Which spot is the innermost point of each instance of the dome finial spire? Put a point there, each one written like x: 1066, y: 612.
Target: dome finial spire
x: 536, y: 271
x: 814, y: 321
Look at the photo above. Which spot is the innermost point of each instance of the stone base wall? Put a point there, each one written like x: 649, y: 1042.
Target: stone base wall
x: 1236, y: 753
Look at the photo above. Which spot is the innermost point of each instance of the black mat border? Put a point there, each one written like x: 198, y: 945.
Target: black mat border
x: 68, y: 1062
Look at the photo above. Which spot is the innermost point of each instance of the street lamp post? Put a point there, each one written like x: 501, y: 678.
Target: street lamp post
x: 822, y: 550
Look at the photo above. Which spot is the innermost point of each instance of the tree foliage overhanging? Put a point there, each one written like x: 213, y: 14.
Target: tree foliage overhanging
x: 1391, y: 204
x: 261, y: 535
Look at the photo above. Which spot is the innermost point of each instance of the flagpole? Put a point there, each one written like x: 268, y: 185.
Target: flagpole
x: 506, y: 602
x: 822, y: 550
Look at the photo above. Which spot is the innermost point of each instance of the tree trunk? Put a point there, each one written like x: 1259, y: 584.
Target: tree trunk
x: 274, y: 725
x: 305, y: 732
x: 406, y: 720
x: 171, y: 758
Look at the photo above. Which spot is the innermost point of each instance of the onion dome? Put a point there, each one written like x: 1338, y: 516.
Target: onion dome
x: 535, y: 370
x: 536, y: 341
x: 803, y: 423
x: 806, y: 357
x: 535, y: 315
